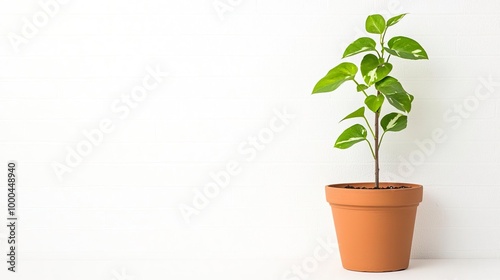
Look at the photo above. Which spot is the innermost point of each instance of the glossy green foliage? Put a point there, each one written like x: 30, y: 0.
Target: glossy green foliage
x: 375, y: 70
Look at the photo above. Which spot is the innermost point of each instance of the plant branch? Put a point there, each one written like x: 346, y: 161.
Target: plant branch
x: 369, y: 126
x: 366, y: 95
x: 371, y: 148
x: 382, y: 38
x: 381, y: 138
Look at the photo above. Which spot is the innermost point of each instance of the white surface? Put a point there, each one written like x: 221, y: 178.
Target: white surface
x: 432, y: 269
x: 248, y: 269
x: 227, y: 80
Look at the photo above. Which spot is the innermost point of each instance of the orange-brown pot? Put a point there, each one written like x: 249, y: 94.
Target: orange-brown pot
x: 374, y: 227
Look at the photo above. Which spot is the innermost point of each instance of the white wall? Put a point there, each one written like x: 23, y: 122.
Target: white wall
x: 233, y: 74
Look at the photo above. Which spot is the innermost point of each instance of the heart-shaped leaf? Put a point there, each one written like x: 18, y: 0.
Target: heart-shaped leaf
x: 337, y: 76
x: 405, y: 47
x: 374, y: 102
x: 351, y: 136
x: 401, y: 102
x: 356, y: 114
x: 372, y: 71
x: 395, y: 93
x: 363, y: 44
x: 368, y: 68
x: 375, y: 24
x: 395, y: 19
x: 361, y: 87
x: 394, y: 122
x: 389, y: 85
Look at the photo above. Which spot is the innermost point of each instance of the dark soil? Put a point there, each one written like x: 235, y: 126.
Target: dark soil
x: 383, y: 188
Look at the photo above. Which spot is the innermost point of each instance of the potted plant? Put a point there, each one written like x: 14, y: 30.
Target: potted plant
x: 374, y: 221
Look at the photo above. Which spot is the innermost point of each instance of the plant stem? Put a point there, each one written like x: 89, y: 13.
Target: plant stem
x: 364, y: 92
x: 377, y: 145
x: 382, y: 37
x: 369, y: 126
x: 381, y: 138
x: 371, y: 149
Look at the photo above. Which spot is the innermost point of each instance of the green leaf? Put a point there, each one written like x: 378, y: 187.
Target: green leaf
x: 337, y: 76
x: 394, y: 122
x: 405, y: 47
x: 361, y: 87
x: 389, y: 85
x: 400, y: 101
x: 394, y: 20
x: 395, y: 93
x: 375, y: 24
x: 356, y: 114
x: 382, y: 71
x: 372, y: 71
x: 351, y: 136
x: 363, y: 44
x: 374, y: 102
x: 368, y: 68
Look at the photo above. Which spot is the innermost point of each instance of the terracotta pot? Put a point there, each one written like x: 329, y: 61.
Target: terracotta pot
x: 374, y: 227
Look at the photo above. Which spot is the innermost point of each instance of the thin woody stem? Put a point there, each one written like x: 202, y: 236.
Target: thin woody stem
x: 377, y: 145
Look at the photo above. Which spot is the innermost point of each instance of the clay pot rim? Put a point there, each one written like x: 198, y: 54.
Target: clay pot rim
x: 412, y: 186
x: 336, y: 194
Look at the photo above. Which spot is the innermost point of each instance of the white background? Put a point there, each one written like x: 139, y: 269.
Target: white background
x: 116, y: 215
